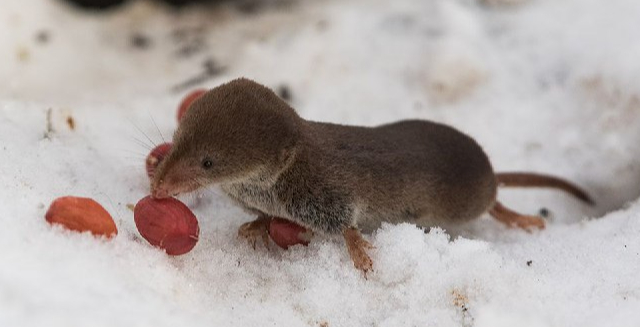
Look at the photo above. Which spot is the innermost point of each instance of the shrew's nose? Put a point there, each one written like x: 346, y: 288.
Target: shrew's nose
x: 159, y: 191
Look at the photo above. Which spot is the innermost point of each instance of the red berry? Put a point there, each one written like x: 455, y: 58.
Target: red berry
x: 286, y: 233
x: 156, y: 156
x: 167, y: 223
x: 188, y: 100
x: 82, y: 215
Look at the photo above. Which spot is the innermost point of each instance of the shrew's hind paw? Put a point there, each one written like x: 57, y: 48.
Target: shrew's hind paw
x: 254, y: 230
x: 530, y: 223
x: 514, y: 219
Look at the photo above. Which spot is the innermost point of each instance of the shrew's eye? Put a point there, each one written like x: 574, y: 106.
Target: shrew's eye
x: 207, y: 163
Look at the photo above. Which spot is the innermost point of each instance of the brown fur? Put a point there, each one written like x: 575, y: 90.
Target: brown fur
x: 327, y: 177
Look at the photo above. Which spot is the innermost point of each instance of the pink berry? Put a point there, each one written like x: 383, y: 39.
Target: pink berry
x: 286, y: 233
x: 156, y: 156
x: 167, y: 223
x: 188, y: 100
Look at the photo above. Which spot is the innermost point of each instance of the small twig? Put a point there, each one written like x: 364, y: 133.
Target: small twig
x: 211, y: 69
x: 49, y: 127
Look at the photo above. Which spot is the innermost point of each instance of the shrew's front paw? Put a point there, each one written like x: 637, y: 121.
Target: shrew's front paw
x: 254, y: 230
x: 358, y: 247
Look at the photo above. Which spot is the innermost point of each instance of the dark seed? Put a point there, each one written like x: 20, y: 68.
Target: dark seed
x: 284, y: 92
x: 43, y: 37
x: 544, y: 212
x: 140, y: 41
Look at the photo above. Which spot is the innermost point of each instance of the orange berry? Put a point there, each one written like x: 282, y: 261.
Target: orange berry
x: 82, y: 215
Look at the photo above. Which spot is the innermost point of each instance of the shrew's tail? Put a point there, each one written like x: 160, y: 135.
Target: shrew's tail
x: 514, y: 219
x: 539, y: 180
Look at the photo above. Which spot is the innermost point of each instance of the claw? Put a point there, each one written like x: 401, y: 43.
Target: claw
x: 254, y: 230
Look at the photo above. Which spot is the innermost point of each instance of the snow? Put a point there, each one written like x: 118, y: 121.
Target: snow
x: 546, y: 86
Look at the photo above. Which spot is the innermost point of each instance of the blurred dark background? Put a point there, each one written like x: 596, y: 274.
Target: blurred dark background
x: 108, y: 4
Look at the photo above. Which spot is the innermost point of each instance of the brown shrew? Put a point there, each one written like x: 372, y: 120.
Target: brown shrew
x: 335, y: 179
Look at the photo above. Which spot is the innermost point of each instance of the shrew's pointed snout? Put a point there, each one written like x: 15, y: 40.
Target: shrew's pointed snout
x: 159, y: 190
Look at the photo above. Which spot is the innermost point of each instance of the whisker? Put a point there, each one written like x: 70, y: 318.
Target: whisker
x: 113, y: 206
x: 206, y: 187
x: 134, y: 161
x: 142, y: 143
x: 143, y: 133
x: 201, y: 185
x: 136, y: 152
x: 157, y: 128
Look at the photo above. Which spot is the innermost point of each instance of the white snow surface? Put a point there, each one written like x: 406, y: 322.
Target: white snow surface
x: 548, y: 86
